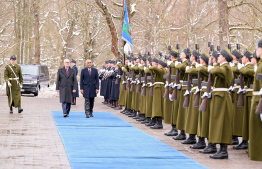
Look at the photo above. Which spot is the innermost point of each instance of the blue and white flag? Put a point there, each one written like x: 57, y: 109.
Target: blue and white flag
x: 126, y: 34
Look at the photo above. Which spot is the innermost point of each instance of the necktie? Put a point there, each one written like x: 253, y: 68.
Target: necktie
x: 89, y: 71
x: 66, y: 71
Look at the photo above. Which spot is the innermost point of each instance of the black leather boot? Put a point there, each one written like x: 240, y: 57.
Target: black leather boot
x: 11, y: 110
x: 141, y: 118
x: 211, y: 148
x: 137, y: 116
x: 235, y: 140
x: 128, y: 112
x: 152, y: 122
x: 20, y: 109
x: 242, y: 146
x: 200, y: 144
x: 172, y: 132
x: 158, y: 124
x: 147, y: 120
x: 181, y: 136
x: 191, y: 139
x: 133, y: 114
x: 221, y: 154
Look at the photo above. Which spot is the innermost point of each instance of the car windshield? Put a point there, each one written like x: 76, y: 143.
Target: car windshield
x: 29, y: 70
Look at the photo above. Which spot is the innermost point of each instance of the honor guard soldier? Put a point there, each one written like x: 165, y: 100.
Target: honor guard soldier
x: 14, y: 82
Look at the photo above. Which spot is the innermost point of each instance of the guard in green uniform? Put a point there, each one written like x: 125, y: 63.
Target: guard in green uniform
x: 247, y: 70
x: 158, y: 92
x: 220, y: 123
x: 255, y: 122
x: 237, y: 111
x: 168, y: 103
x: 14, y: 82
x: 192, y: 112
x: 181, y: 116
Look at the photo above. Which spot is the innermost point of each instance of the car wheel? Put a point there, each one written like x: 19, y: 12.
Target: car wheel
x: 37, y: 91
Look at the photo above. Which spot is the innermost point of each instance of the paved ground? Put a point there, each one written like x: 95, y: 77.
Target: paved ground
x: 30, y: 139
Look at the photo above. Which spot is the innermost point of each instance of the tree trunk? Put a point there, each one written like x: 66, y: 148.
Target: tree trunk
x: 36, y: 31
x: 223, y: 23
x: 112, y: 27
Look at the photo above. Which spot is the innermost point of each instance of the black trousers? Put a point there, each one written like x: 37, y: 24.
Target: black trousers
x: 89, y: 105
x: 66, y: 107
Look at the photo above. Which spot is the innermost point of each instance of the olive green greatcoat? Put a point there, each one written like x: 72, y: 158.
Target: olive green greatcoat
x: 149, y: 99
x: 135, y: 97
x: 181, y: 116
x: 122, y: 93
x: 15, y: 88
x: 142, y: 103
x: 157, y: 107
x: 192, y: 112
x: 220, y: 123
x: 167, y: 106
x: 255, y: 123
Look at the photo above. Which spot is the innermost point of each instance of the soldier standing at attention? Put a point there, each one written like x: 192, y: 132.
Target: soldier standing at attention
x: 221, y: 115
x: 14, y: 82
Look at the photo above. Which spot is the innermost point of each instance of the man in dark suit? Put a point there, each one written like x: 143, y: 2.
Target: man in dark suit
x: 76, y: 94
x: 66, y: 86
x: 89, y: 86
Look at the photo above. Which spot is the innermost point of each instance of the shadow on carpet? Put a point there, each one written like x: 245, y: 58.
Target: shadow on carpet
x: 106, y: 141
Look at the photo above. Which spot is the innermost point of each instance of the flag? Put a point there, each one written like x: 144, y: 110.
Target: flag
x: 126, y: 33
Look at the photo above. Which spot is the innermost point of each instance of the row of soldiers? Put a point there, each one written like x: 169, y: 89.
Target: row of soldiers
x: 212, y: 96
x: 109, y: 87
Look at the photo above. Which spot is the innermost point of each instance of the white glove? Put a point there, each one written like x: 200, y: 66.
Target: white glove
x: 21, y: 86
x: 139, y: 64
x: 188, y: 67
x: 255, y: 68
x: 118, y: 63
x: 9, y: 84
x: 210, y: 67
x: 260, y: 92
x: 261, y: 117
x: 123, y: 68
x: 169, y: 62
x: 177, y: 63
x: 197, y: 65
x: 231, y: 64
x: 145, y: 68
x: 239, y: 66
x: 170, y: 96
x: 129, y: 63
x: 132, y: 66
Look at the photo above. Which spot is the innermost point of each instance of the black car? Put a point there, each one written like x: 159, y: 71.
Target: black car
x: 35, y: 77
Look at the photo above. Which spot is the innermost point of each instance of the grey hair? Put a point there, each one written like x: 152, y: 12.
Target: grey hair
x: 89, y: 60
x: 66, y: 60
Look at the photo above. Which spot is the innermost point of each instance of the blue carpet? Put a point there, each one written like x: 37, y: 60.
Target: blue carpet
x: 106, y: 141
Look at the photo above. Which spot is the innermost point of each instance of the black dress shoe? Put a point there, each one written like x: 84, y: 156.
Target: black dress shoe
x: 211, y: 148
x: 137, y: 116
x: 133, y: 114
x: 20, y: 110
x: 142, y: 118
x: 172, y: 132
x: 242, y: 146
x: 181, y: 136
x: 91, y: 115
x: 247, y: 151
x: 73, y: 104
x: 65, y: 115
x: 87, y: 115
x: 235, y: 140
x: 191, y: 140
x: 123, y: 111
x: 221, y: 154
x: 151, y: 123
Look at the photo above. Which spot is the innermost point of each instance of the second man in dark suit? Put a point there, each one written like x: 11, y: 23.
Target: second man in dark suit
x: 89, y: 86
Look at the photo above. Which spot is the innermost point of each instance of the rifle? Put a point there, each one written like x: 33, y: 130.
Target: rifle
x: 197, y: 93
x: 240, y: 102
x: 138, y: 89
x: 166, y: 95
x: 118, y: 73
x: 203, y: 106
x: 259, y: 106
x: 174, y: 94
x: 188, y: 91
x: 152, y: 81
x: 128, y: 80
x: 143, y: 93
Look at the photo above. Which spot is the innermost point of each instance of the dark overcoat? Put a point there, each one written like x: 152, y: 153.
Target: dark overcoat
x: 89, y: 83
x: 76, y: 94
x: 66, y: 84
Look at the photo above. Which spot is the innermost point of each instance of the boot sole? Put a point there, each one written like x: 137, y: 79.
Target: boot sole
x: 219, y: 157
